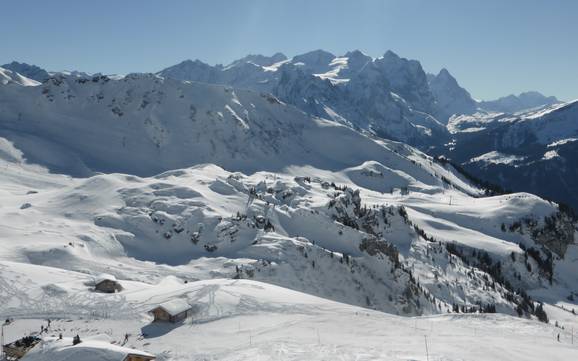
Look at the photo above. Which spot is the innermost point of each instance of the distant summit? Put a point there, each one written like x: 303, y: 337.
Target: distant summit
x: 192, y: 70
x: 524, y: 101
x: 260, y: 60
x: 451, y: 98
x: 388, y: 96
x: 12, y: 77
x: 29, y: 71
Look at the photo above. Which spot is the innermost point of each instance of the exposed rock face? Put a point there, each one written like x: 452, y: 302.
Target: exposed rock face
x: 388, y: 96
x: 557, y: 233
x: 451, y: 98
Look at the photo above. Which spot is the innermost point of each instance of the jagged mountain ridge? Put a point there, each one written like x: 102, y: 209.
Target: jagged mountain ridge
x: 380, y: 96
x: 438, y: 95
x: 152, y: 124
x: 451, y: 98
x: 388, y: 96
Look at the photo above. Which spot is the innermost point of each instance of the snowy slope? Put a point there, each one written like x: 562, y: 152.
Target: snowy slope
x: 248, y: 320
x: 152, y: 124
x: 366, y: 226
x: 205, y: 212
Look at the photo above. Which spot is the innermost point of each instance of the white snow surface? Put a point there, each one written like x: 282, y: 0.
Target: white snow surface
x: 248, y: 320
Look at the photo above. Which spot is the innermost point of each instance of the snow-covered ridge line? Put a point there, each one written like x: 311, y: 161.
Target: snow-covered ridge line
x: 153, y: 124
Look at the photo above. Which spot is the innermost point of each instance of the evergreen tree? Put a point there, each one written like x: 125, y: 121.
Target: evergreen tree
x: 541, y: 314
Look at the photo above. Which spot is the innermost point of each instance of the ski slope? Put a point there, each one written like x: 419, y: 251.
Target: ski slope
x: 247, y: 320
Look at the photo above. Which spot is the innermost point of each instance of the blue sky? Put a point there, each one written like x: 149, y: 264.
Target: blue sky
x: 493, y: 47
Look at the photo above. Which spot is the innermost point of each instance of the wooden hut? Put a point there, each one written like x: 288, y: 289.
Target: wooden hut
x: 172, y: 311
x: 138, y: 356
x: 107, y: 284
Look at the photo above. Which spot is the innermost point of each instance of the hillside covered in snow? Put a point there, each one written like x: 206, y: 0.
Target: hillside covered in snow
x: 247, y: 206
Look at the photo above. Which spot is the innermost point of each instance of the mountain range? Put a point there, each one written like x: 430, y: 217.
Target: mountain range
x: 394, y: 98
x: 311, y: 174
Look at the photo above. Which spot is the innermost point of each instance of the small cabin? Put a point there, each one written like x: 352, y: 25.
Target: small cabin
x: 172, y: 311
x: 138, y: 356
x: 106, y: 283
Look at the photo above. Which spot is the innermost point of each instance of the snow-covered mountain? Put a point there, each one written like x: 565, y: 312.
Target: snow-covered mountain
x: 260, y: 60
x: 407, y: 79
x: 534, y: 151
x: 250, y: 205
x: 388, y: 96
x: 516, y: 103
x: 29, y: 71
x: 280, y: 197
x: 405, y: 236
x: 451, y: 98
x: 10, y: 77
x: 152, y: 124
